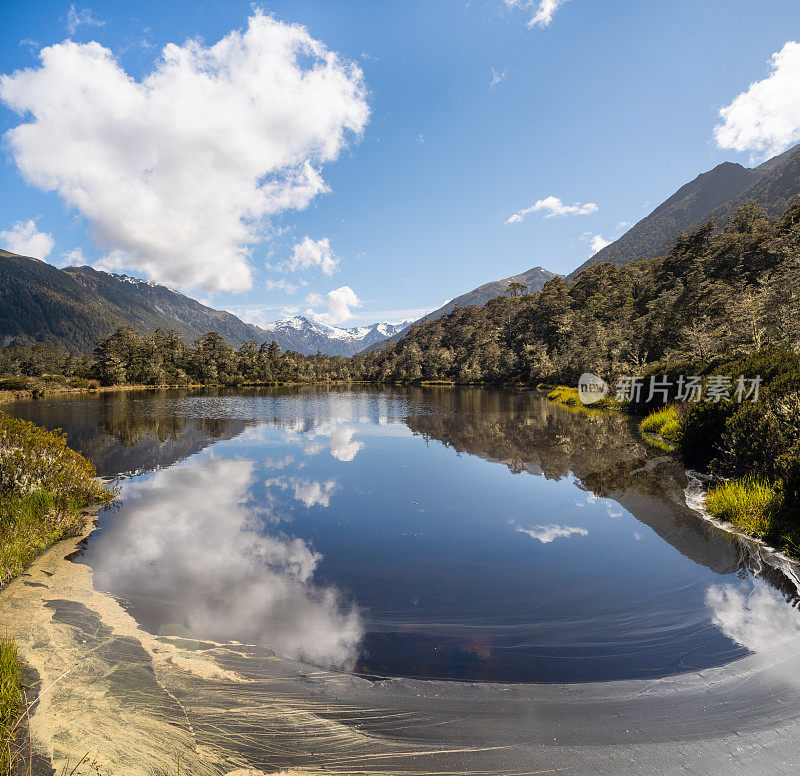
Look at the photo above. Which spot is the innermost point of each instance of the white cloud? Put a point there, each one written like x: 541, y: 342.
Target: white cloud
x: 179, y: 173
x: 308, y: 492
x: 310, y: 254
x: 599, y: 242
x: 24, y: 238
x: 553, y: 206
x: 547, y: 533
x: 497, y: 78
x: 765, y: 119
x: 543, y: 13
x: 281, y: 285
x: 340, y: 302
x: 81, y: 18
x: 343, y: 446
x: 73, y: 258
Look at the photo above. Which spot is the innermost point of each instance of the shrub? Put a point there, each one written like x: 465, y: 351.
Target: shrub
x: 43, y: 486
x: 33, y: 460
x: 15, y: 384
x: 702, y: 427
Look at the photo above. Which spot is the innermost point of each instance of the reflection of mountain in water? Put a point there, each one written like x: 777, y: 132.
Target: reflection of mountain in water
x: 527, y: 433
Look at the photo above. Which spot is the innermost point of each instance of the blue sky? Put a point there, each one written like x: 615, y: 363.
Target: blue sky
x: 461, y: 116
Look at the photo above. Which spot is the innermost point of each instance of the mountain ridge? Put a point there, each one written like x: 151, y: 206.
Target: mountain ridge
x: 711, y: 196
x: 77, y: 306
x: 534, y: 280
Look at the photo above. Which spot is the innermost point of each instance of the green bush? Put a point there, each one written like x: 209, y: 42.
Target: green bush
x: 702, y: 427
x: 33, y: 460
x: 43, y: 487
x: 15, y: 384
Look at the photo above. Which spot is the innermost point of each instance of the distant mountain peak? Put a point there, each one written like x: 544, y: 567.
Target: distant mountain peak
x: 77, y: 306
x: 343, y: 341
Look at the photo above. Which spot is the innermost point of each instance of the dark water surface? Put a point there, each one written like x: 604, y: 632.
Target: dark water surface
x: 467, y: 534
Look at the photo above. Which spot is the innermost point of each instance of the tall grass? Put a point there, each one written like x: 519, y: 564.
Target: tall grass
x: 569, y: 397
x: 664, y: 423
x: 10, y: 700
x: 750, y: 503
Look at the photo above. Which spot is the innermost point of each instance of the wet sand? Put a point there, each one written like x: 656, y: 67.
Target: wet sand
x: 141, y: 703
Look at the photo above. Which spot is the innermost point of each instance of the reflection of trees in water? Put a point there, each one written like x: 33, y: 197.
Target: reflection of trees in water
x: 526, y: 433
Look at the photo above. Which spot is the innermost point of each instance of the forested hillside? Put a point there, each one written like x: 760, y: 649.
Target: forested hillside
x: 77, y: 306
x: 715, y: 293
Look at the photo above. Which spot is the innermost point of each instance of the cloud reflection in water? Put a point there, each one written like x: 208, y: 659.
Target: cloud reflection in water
x: 759, y: 621
x: 187, y: 534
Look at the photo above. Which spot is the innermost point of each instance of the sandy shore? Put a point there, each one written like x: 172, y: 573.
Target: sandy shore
x: 140, y: 703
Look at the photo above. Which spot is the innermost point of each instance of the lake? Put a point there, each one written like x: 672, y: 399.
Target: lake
x: 468, y: 534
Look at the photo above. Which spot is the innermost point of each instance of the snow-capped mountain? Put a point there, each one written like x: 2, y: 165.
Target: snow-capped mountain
x: 307, y: 336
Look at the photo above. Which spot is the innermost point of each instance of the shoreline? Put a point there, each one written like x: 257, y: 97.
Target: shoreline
x: 138, y: 702
x: 785, y: 564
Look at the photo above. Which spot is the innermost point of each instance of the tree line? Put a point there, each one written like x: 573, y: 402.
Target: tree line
x: 716, y: 294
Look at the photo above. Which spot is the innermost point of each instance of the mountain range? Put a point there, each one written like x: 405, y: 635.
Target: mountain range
x: 76, y: 306
x: 307, y: 336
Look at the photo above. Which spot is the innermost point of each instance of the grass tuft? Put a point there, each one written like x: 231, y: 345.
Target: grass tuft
x: 10, y: 700
x: 750, y: 503
x: 569, y: 397
x: 663, y: 423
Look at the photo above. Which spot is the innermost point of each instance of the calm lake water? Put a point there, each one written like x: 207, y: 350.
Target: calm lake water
x: 467, y: 534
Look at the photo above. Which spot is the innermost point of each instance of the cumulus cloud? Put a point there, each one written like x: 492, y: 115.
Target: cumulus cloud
x: 81, y: 18
x: 73, y: 258
x: 343, y: 446
x: 765, y: 119
x: 24, y: 238
x: 226, y: 578
x: 340, y: 303
x: 547, y: 533
x: 599, y: 242
x: 310, y: 493
x: 543, y: 10
x: 313, y: 254
x: 281, y: 285
x: 553, y: 206
x: 178, y: 174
